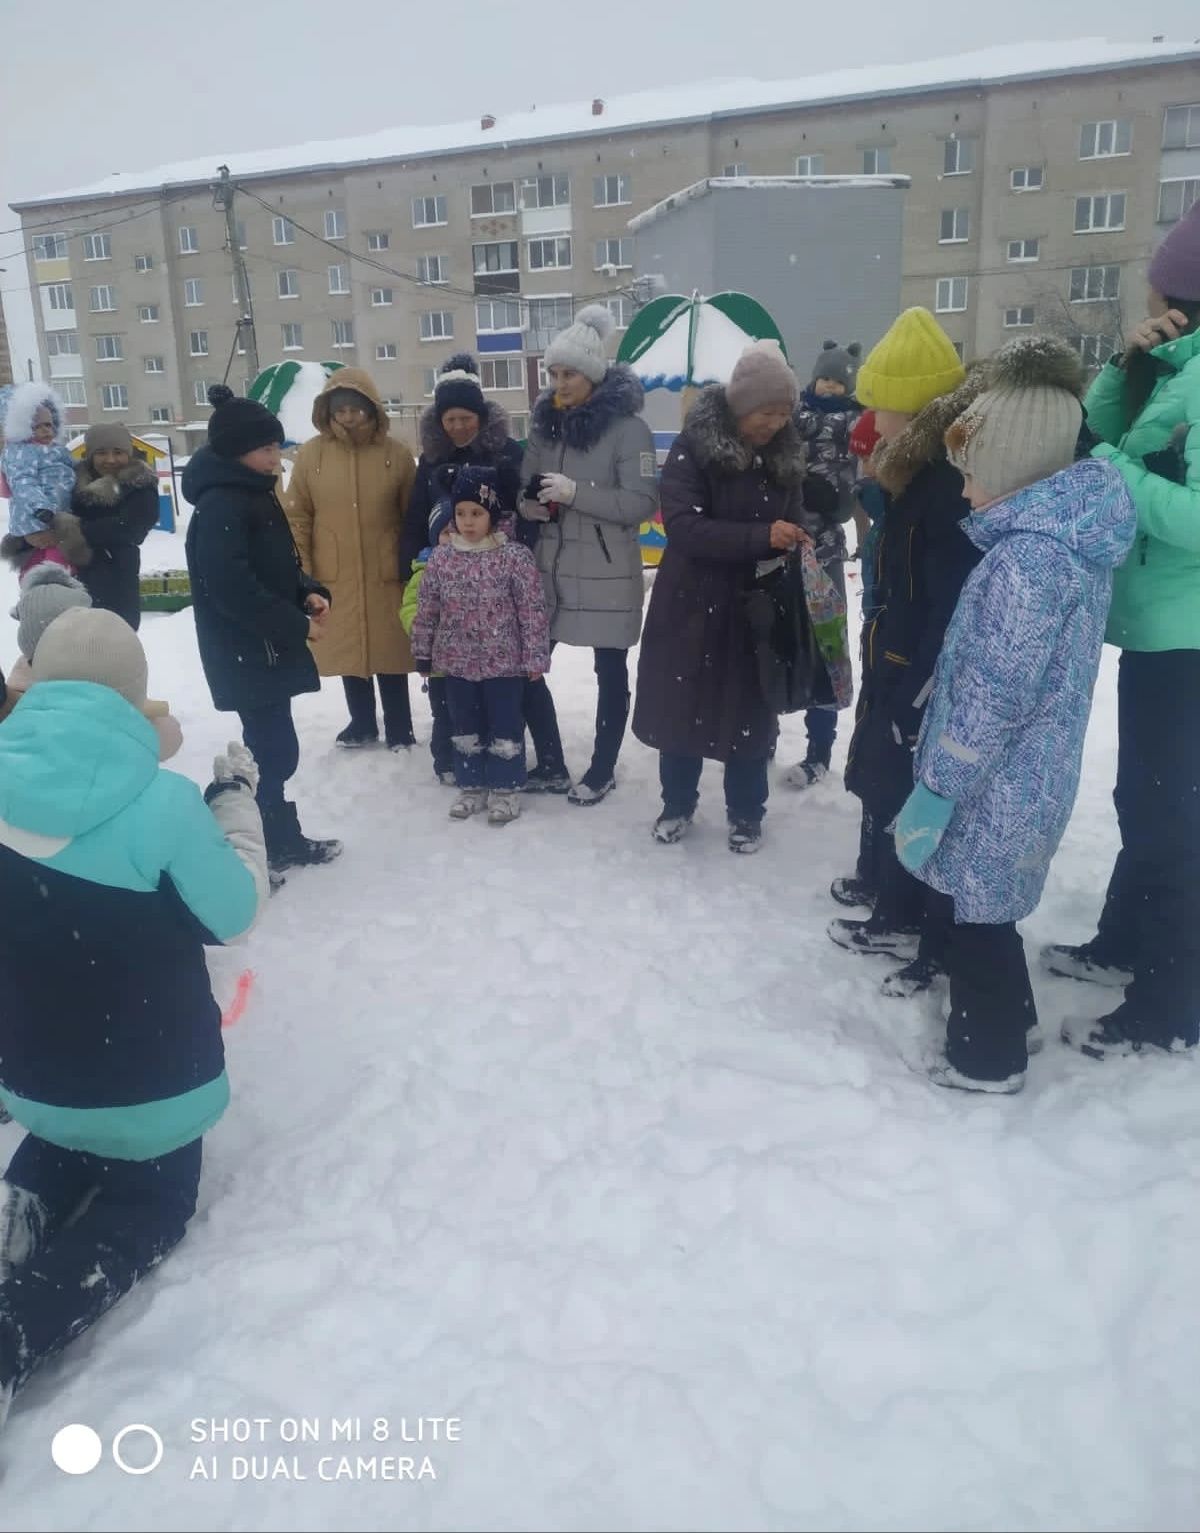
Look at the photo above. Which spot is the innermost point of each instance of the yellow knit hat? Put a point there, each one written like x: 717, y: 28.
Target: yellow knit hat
x: 914, y: 364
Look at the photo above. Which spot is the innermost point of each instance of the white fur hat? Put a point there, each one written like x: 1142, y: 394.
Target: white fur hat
x: 581, y: 345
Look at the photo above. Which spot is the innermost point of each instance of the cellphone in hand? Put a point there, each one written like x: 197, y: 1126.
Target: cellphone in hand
x: 532, y: 490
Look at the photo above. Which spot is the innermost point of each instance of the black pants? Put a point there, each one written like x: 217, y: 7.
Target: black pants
x: 899, y: 897
x: 612, y: 715
x: 138, y: 1211
x: 542, y: 722
x: 393, y: 694
x: 991, y: 999
x: 745, y: 786
x: 1151, y: 917
x: 270, y: 736
x: 821, y: 727
x: 440, y: 747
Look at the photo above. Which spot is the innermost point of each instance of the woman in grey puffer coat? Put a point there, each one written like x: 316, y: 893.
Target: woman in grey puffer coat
x: 590, y: 478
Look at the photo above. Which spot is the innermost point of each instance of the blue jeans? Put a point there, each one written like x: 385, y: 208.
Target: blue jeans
x: 745, y: 786
x: 821, y: 725
x: 440, y: 747
x: 138, y: 1212
x: 489, y: 732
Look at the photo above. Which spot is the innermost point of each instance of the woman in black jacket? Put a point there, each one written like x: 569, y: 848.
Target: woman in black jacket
x: 255, y: 608
x: 116, y: 501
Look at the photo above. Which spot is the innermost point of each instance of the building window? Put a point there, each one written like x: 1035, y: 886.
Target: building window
x: 611, y: 191
x: 1091, y: 284
x: 621, y: 309
x: 386, y: 351
x: 955, y: 226
x: 1024, y: 250
x: 552, y: 254
x: 282, y: 231
x: 1181, y: 127
x: 160, y: 415
x: 62, y: 343
x: 543, y: 376
x: 381, y: 297
x: 339, y: 279
x: 102, y: 300
x: 198, y: 343
x: 97, y: 247
x: 437, y: 325
x: 501, y: 373
x: 143, y: 263
x: 50, y: 247
x: 155, y: 365
x: 71, y: 391
x: 1027, y: 178
x: 429, y: 380
x: 193, y: 293
x: 1102, y: 140
x: 497, y: 256
x: 1103, y: 212
x: 59, y: 296
x: 148, y: 313
x: 951, y: 295
x: 493, y: 197
x: 735, y: 171
x: 497, y: 315
x: 108, y: 348
x: 335, y: 224
x: 378, y: 239
x: 188, y: 243
x: 1095, y: 350
x: 877, y: 162
x: 287, y: 283
x: 958, y: 158
x: 114, y: 396
x: 1176, y: 197
x: 433, y: 271
x: 293, y: 337
x: 618, y: 253
x: 391, y: 405
x: 428, y: 211
x: 1019, y: 317
x: 810, y: 164
x: 343, y: 334
x: 200, y: 391
x: 547, y: 316
x: 546, y: 192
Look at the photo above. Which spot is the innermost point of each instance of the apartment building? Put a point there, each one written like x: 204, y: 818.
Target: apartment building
x: 6, y: 371
x: 1041, y: 178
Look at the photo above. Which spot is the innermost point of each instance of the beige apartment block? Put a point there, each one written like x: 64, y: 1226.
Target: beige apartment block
x: 1041, y: 180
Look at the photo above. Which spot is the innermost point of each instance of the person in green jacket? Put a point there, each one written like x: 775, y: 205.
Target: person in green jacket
x: 441, y: 520
x: 1145, y: 408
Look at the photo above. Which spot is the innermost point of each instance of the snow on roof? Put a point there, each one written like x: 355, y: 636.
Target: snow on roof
x: 741, y: 183
x: 701, y: 101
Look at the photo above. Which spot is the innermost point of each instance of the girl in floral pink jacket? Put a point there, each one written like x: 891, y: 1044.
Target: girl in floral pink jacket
x: 481, y: 622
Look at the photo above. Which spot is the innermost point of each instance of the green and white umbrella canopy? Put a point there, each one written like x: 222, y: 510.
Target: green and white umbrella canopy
x: 679, y: 343
x: 289, y: 389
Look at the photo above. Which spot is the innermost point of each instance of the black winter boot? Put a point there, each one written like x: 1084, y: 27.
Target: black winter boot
x: 289, y: 847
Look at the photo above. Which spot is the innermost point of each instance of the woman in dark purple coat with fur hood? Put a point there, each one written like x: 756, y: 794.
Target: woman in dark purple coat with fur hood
x: 732, y: 501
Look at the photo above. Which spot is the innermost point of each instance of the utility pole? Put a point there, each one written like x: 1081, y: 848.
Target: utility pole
x: 223, y: 195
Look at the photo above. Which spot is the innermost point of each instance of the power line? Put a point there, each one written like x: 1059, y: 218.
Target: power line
x: 115, y: 223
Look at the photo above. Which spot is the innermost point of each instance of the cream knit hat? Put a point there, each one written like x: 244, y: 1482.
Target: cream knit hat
x: 581, y: 345
x: 89, y: 644
x: 1025, y: 425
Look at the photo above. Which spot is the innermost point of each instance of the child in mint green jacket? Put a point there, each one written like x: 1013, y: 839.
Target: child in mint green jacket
x: 441, y: 522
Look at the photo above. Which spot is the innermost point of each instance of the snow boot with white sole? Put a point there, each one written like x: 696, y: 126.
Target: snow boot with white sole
x: 503, y: 808
x: 470, y: 801
x: 1086, y: 961
x: 867, y: 937
x: 671, y: 828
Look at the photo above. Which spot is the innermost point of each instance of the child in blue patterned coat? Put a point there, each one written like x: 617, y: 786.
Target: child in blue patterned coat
x: 998, y: 758
x: 40, y: 474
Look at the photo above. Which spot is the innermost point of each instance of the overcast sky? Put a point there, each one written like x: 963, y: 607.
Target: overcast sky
x: 89, y: 87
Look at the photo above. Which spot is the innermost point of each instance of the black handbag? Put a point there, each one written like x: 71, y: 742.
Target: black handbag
x: 791, y: 670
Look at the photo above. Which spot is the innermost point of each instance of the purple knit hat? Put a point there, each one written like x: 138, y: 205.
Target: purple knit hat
x: 1175, y: 270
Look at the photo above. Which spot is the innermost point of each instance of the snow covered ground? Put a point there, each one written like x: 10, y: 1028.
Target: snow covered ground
x: 602, y: 1148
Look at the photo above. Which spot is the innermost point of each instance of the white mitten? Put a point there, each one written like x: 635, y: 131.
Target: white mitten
x: 236, y: 765
x: 556, y: 489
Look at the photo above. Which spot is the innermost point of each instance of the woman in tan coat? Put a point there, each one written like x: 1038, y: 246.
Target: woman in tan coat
x: 346, y: 502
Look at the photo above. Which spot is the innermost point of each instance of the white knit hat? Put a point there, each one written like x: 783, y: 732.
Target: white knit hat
x: 581, y: 345
x: 47, y: 592
x: 89, y: 644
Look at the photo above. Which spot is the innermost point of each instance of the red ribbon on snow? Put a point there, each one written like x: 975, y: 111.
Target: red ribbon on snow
x: 240, y: 996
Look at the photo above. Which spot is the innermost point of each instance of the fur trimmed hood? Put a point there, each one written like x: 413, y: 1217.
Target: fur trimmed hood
x: 922, y: 442
x: 23, y: 404
x: 107, y: 489
x: 711, y: 430
x: 493, y: 433
x: 618, y: 395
